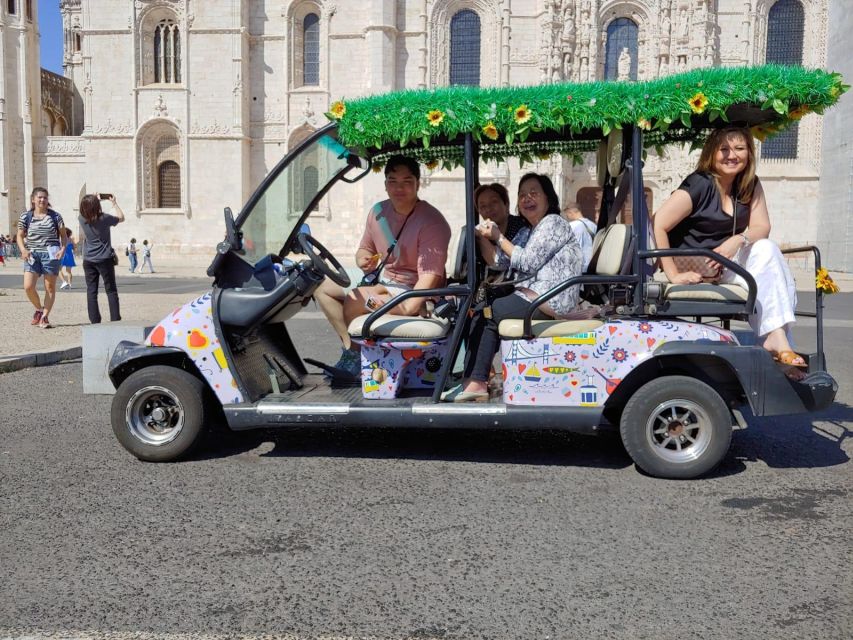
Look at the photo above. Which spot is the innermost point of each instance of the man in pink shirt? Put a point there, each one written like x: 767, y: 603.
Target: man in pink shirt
x: 417, y: 236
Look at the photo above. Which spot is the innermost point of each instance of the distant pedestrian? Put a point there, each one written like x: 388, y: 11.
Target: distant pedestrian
x: 3, y: 250
x: 146, y: 256
x: 131, y: 252
x: 583, y: 228
x: 99, y: 257
x: 67, y: 263
x: 41, y: 239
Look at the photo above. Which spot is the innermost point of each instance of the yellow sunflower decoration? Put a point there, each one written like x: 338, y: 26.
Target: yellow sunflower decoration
x: 824, y: 282
x: 490, y: 131
x: 338, y: 109
x: 435, y: 117
x: 522, y: 114
x: 698, y: 103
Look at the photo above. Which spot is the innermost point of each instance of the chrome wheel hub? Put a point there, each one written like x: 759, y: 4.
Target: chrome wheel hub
x: 155, y: 415
x: 679, y: 430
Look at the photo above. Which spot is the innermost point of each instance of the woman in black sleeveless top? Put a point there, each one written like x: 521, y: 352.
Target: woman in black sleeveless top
x: 721, y: 206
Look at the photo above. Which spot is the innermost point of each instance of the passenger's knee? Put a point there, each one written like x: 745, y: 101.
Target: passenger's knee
x: 765, y: 246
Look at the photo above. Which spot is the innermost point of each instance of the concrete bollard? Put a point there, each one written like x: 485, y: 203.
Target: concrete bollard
x: 99, y: 342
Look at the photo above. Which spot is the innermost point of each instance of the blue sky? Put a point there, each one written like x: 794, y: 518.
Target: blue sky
x: 50, y: 27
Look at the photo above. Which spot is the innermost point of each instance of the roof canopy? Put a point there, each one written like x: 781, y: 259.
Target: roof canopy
x: 570, y: 118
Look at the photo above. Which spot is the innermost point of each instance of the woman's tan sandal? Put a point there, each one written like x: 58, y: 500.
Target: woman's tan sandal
x: 790, y: 358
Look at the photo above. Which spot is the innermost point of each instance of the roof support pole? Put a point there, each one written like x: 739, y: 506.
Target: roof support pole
x: 471, y: 164
x: 639, y: 214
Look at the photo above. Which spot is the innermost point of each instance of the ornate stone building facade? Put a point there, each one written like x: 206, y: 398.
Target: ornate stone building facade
x: 183, y: 106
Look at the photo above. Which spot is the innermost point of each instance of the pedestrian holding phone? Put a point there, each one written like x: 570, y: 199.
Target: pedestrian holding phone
x: 98, y: 254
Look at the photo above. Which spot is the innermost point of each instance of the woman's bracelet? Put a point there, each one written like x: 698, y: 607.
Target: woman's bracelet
x: 745, y: 239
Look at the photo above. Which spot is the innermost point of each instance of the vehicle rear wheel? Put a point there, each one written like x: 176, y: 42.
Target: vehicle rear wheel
x: 158, y: 413
x: 676, y: 427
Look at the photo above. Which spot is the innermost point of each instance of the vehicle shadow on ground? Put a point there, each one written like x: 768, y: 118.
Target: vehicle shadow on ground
x: 456, y: 445
x: 782, y: 442
x: 796, y: 442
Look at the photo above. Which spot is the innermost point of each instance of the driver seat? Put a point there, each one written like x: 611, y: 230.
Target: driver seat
x: 401, y: 327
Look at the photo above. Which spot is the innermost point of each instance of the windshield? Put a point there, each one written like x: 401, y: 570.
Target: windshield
x: 276, y: 210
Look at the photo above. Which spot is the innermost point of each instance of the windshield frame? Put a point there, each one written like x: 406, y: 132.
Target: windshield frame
x: 271, y: 178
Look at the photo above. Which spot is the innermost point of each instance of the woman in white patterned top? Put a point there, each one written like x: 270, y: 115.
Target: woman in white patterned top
x: 549, y: 253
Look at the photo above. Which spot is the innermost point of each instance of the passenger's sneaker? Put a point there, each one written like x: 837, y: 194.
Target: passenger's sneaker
x: 44, y: 323
x: 350, y: 361
x: 64, y: 285
x: 37, y: 317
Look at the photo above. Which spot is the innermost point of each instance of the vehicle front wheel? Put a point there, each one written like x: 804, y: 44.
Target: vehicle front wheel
x: 676, y: 427
x: 158, y: 413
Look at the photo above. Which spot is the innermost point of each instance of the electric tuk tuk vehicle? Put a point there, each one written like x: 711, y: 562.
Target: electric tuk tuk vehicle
x: 662, y: 365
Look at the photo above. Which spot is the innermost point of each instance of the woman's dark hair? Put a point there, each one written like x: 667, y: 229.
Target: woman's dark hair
x: 33, y: 196
x: 494, y: 187
x: 547, y: 188
x: 90, y: 208
x: 403, y: 161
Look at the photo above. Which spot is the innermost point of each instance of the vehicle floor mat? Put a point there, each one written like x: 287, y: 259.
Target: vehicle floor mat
x: 338, y: 378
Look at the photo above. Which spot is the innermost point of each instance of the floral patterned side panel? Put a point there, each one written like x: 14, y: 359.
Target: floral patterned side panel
x: 190, y: 328
x: 388, y: 366
x: 583, y: 369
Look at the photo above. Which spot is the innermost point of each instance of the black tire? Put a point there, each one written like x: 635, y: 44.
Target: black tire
x: 158, y: 413
x: 676, y: 427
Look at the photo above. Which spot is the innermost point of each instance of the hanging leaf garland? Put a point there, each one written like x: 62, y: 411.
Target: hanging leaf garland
x: 501, y: 119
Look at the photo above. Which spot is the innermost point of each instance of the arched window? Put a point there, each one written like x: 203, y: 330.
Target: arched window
x: 310, y: 186
x: 167, y: 52
x: 168, y: 185
x: 12, y: 8
x: 465, y: 48
x: 785, y: 30
x: 311, y: 50
x: 622, y: 37
x: 160, y: 167
x: 304, y: 174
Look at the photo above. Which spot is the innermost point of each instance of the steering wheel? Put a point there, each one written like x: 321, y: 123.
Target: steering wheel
x: 323, y: 260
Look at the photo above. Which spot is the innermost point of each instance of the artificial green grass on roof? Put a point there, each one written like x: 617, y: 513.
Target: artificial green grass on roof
x: 571, y: 117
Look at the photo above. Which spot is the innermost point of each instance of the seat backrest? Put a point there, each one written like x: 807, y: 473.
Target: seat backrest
x: 609, y: 250
x: 455, y: 265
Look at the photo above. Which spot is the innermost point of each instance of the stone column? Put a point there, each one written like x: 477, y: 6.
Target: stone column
x: 505, y: 49
x: 423, y: 48
x: 381, y: 42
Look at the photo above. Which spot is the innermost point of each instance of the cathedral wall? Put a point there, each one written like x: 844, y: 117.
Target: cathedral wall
x: 835, y: 232
x: 61, y: 163
x: 15, y: 185
x: 241, y: 104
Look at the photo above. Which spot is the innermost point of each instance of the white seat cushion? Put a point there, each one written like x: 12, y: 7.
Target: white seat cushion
x: 705, y: 292
x: 514, y: 328
x: 391, y: 326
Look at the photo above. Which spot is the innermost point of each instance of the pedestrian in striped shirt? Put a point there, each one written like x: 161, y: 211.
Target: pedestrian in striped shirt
x: 41, y: 239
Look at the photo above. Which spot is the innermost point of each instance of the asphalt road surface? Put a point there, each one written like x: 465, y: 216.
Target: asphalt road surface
x: 418, y: 534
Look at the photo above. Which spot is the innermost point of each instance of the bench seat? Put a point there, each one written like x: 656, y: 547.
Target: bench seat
x: 408, y: 327
x: 514, y: 328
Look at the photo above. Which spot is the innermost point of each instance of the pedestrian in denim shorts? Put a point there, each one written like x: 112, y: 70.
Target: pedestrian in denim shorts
x: 41, y: 238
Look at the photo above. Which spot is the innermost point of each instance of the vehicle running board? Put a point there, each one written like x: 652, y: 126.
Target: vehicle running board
x: 271, y: 413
